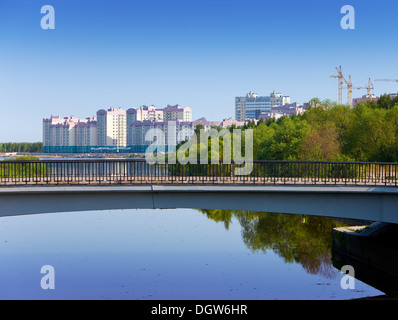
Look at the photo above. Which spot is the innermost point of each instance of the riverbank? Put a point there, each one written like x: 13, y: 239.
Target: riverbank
x: 373, y: 253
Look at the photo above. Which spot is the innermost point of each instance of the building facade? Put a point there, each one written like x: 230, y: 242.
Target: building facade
x: 285, y: 110
x: 177, y: 112
x: 117, y: 130
x: 252, y: 105
x: 111, y: 128
x: 69, y: 134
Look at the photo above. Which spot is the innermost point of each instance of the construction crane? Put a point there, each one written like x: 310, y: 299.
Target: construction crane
x: 349, y: 90
x: 369, y: 88
x: 341, y: 80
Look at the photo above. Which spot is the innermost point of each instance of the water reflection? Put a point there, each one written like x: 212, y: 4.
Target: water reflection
x: 295, y: 238
x: 171, y: 254
x: 308, y: 240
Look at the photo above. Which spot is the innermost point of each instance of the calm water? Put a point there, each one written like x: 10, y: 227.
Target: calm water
x: 171, y: 254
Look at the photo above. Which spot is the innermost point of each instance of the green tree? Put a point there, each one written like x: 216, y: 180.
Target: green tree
x: 286, y: 141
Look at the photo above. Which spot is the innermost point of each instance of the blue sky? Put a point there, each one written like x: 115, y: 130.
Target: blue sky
x: 196, y: 53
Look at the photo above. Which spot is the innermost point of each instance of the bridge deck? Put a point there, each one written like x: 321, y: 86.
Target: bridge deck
x: 133, y: 180
x: 352, y: 202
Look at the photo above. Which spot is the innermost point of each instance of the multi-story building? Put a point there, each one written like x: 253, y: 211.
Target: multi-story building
x: 140, y: 121
x: 86, y: 134
x: 144, y: 113
x: 229, y: 122
x: 48, y: 127
x: 366, y: 97
x: 153, y: 114
x: 117, y: 130
x: 177, y: 113
x: 207, y: 125
x: 252, y: 105
x: 111, y: 128
x: 69, y: 134
x: 161, y: 133
x: 285, y: 110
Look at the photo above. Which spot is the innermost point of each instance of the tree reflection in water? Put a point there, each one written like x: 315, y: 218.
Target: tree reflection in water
x: 296, y: 238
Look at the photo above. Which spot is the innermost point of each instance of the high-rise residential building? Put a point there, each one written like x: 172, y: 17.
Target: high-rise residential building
x: 69, y: 134
x: 177, y: 113
x: 145, y: 118
x: 117, y: 130
x: 48, y: 127
x: 86, y: 134
x: 111, y: 128
x: 144, y: 113
x: 153, y: 114
x: 252, y: 105
x: 161, y: 133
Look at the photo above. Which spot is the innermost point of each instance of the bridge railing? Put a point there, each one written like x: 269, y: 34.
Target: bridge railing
x: 138, y: 171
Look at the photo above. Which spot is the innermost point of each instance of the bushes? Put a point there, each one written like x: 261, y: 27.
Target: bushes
x: 22, y: 167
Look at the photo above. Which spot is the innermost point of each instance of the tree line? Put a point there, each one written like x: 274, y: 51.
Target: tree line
x: 21, y: 147
x: 327, y: 131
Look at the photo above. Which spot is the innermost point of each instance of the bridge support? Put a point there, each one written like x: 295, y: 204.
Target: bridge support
x: 372, y: 251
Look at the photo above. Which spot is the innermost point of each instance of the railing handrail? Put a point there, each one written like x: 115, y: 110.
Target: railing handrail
x: 145, y: 160
x: 138, y: 170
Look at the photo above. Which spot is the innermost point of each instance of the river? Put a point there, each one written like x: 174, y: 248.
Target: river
x: 172, y: 254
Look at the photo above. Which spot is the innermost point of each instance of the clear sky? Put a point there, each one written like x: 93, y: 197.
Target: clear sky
x: 196, y: 53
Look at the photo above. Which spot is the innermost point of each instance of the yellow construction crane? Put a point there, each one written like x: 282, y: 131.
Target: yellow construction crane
x: 369, y: 88
x: 341, y: 80
x: 349, y: 90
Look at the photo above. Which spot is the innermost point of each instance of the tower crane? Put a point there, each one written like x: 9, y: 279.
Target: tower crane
x: 341, y: 80
x: 369, y: 88
x: 349, y: 90
x: 340, y: 83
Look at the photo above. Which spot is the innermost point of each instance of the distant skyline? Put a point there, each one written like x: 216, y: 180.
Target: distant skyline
x: 195, y: 53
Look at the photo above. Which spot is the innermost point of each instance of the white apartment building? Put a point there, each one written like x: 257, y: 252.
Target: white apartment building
x: 173, y: 132
x: 86, y: 133
x: 68, y: 134
x: 252, y: 105
x: 111, y: 127
x: 144, y: 113
x: 140, y: 120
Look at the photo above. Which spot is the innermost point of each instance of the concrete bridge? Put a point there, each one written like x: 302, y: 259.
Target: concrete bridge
x: 374, y: 203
